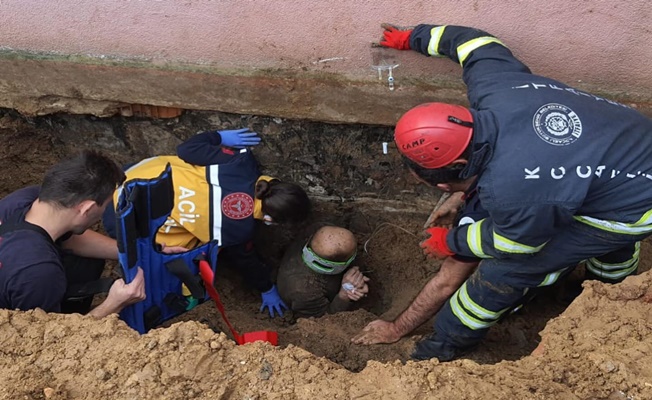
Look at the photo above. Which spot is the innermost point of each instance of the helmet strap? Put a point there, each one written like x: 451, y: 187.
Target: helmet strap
x: 458, y: 121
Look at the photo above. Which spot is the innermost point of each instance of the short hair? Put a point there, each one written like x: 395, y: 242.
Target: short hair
x: 88, y: 176
x: 283, y: 201
x: 435, y: 176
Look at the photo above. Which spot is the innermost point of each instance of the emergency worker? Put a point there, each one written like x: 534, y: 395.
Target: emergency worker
x: 48, y: 254
x: 462, y: 207
x: 219, y: 194
x: 314, y: 277
x: 563, y: 174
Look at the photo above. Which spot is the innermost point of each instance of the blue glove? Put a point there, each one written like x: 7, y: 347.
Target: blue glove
x: 239, y: 138
x: 272, y: 300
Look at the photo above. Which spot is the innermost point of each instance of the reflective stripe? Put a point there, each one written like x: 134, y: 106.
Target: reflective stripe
x: 615, y: 270
x: 474, y: 239
x: 551, y: 278
x: 475, y: 307
x: 505, y: 245
x: 471, y: 313
x: 643, y: 225
x: 465, y: 318
x: 465, y: 49
x: 611, y: 275
x: 435, y: 37
x: 217, y: 202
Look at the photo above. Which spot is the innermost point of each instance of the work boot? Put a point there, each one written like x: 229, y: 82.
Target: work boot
x: 429, y: 347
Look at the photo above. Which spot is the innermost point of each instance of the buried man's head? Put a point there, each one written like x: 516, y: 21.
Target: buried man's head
x: 330, y: 250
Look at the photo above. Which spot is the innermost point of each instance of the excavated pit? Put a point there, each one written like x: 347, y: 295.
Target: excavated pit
x: 354, y: 185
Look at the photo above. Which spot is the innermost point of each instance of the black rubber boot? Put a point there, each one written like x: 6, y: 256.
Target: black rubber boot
x: 429, y: 347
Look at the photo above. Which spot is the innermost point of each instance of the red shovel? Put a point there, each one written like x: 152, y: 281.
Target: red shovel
x: 206, y: 273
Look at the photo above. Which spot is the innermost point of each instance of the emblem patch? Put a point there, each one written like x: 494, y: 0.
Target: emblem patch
x: 238, y: 205
x: 557, y: 124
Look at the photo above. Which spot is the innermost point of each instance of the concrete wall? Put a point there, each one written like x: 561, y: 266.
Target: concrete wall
x: 308, y: 59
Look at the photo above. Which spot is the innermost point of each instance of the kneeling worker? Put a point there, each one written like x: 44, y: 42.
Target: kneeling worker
x: 311, y: 279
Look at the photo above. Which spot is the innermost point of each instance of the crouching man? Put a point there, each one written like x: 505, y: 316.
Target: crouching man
x: 314, y: 277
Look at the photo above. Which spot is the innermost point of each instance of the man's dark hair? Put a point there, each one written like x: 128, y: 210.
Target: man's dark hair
x: 89, y: 176
x: 437, y: 175
x: 283, y: 201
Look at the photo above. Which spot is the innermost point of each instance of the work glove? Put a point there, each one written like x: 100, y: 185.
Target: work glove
x: 239, y: 138
x: 272, y: 300
x: 396, y: 38
x: 435, y: 246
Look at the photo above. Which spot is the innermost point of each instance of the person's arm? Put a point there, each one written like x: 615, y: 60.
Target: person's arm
x: 354, y: 287
x: 478, y: 52
x: 121, y: 295
x: 509, y: 232
x: 93, y: 245
x: 204, y: 148
x: 431, y: 298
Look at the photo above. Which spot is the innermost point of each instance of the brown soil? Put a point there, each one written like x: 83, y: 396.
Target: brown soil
x: 599, y: 348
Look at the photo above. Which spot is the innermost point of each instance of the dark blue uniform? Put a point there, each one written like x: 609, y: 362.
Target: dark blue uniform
x: 31, y: 271
x: 564, y: 175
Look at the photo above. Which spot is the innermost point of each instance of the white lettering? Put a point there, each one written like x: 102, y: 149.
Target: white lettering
x: 536, y: 86
x: 557, y: 176
x: 190, y: 204
x: 599, y: 169
x: 580, y: 174
x: 184, y: 220
x: 185, y: 193
x: 614, y: 173
x: 534, y: 174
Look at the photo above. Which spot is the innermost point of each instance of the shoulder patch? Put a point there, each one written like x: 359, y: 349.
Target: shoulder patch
x: 557, y: 124
x: 237, y: 205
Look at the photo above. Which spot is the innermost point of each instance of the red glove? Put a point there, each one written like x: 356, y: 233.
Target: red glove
x: 435, y: 246
x: 396, y: 38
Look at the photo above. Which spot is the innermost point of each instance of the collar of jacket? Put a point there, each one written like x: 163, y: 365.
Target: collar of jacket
x: 482, y: 147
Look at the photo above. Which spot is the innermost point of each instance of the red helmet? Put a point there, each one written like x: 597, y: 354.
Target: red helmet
x: 434, y: 134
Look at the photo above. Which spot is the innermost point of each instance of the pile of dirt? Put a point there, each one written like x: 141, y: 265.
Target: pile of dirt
x: 600, y: 348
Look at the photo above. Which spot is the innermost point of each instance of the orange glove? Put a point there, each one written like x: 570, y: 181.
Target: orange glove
x: 396, y: 38
x: 435, y: 246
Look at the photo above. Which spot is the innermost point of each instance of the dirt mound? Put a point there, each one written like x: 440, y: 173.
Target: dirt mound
x: 600, y: 348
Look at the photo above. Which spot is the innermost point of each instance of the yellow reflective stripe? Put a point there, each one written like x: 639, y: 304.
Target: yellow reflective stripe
x: 505, y: 245
x: 465, y: 317
x: 643, y: 225
x: 474, y: 239
x: 551, y: 278
x: 477, y: 309
x: 611, y: 267
x: 599, y: 265
x: 612, y: 275
x: 465, y: 49
x: 435, y: 37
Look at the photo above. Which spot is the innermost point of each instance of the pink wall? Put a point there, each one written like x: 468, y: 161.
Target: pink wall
x: 602, y: 43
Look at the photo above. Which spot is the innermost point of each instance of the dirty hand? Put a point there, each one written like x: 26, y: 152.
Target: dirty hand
x: 122, y: 294
x: 354, y: 285
x: 239, y: 138
x: 272, y: 300
x: 172, y: 249
x: 444, y: 214
x: 435, y: 246
x: 395, y: 37
x: 377, y: 332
